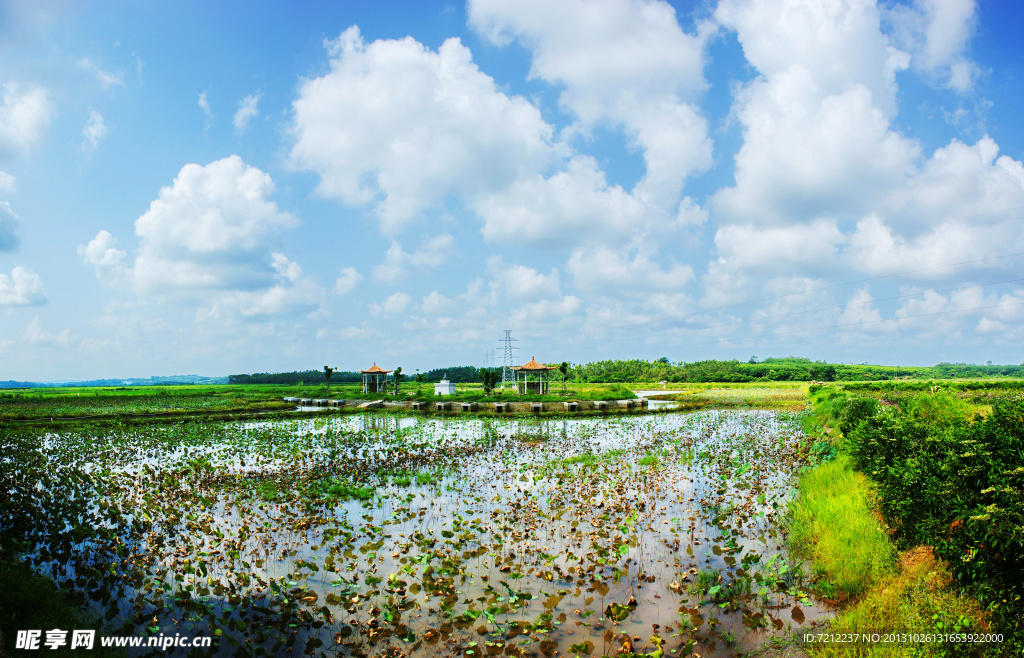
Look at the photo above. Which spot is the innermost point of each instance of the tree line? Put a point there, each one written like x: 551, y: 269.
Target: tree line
x: 710, y: 370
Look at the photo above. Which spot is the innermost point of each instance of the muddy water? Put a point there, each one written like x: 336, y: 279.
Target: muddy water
x: 383, y: 533
x: 526, y: 537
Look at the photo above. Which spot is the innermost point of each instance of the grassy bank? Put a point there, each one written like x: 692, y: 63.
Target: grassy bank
x: 848, y: 521
x: 915, y: 598
x: 100, y: 402
x: 834, y: 523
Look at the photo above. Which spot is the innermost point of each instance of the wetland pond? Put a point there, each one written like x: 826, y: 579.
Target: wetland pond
x: 387, y: 534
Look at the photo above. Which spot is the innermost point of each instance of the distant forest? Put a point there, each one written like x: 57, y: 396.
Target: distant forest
x: 639, y: 370
x: 775, y: 369
x: 458, y: 374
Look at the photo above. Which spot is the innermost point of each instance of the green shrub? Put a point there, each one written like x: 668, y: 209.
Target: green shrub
x: 855, y: 410
x: 958, y: 484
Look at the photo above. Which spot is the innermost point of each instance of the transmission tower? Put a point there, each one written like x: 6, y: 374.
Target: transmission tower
x: 506, y: 371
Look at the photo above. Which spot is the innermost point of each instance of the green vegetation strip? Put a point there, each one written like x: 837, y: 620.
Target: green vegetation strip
x: 833, y: 524
x: 949, y: 482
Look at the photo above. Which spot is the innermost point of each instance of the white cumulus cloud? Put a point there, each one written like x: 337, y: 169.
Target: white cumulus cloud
x: 607, y: 270
x: 347, y: 281
x: 820, y: 146
x: 431, y: 252
x: 625, y: 62
x: 25, y: 115
x: 935, y: 33
x: 569, y: 207
x: 402, y: 126
x: 22, y: 287
x: 392, y: 305
x: 210, y: 237
x: 35, y: 335
x: 805, y: 154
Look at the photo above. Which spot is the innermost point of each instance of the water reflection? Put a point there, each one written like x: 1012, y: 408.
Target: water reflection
x: 481, y: 535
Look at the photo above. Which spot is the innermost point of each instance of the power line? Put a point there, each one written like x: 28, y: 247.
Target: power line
x: 919, y: 224
x: 831, y: 308
x: 818, y: 289
x: 855, y: 324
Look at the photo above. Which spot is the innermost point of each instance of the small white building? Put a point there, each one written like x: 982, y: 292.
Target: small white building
x: 444, y: 387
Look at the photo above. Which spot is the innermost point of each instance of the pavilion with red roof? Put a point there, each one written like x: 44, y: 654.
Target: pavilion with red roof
x: 375, y: 379
x: 532, y: 377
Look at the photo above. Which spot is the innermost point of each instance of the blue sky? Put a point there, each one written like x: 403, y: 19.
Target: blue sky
x: 216, y: 188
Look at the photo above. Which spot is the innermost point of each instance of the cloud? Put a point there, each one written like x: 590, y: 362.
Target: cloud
x: 291, y: 292
x: 806, y: 155
x: 817, y: 137
x: 437, y: 304
x: 363, y: 332
x: 744, y: 246
x: 25, y: 115
x: 569, y: 207
x: 560, y: 312
x: 961, y: 181
x: 138, y: 66
x: 819, y: 146
x: 22, y: 288
x: 7, y: 183
x: 107, y: 259
x: 839, y: 44
x: 247, y: 111
x: 400, y: 126
x: 954, y: 198
x: 94, y: 132
x: 36, y: 336
x: 860, y: 317
x: 625, y: 62
x: 10, y: 228
x: 209, y: 238
x: 106, y: 79
x: 347, y: 281
x: 935, y: 33
x: 937, y: 315
x: 690, y: 214
x: 431, y: 253
x: 204, y: 105
x: 393, y: 305
x: 606, y: 271
x: 410, y: 130
x: 519, y: 282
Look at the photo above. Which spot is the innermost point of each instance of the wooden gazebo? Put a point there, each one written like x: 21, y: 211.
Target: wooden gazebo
x: 375, y: 379
x: 532, y: 377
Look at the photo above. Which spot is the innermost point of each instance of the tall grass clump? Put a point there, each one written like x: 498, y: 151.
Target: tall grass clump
x: 832, y: 523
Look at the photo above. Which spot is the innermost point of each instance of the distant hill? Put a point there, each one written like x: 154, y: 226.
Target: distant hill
x: 164, y: 380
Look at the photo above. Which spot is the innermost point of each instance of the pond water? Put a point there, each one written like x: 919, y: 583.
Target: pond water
x: 404, y: 534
